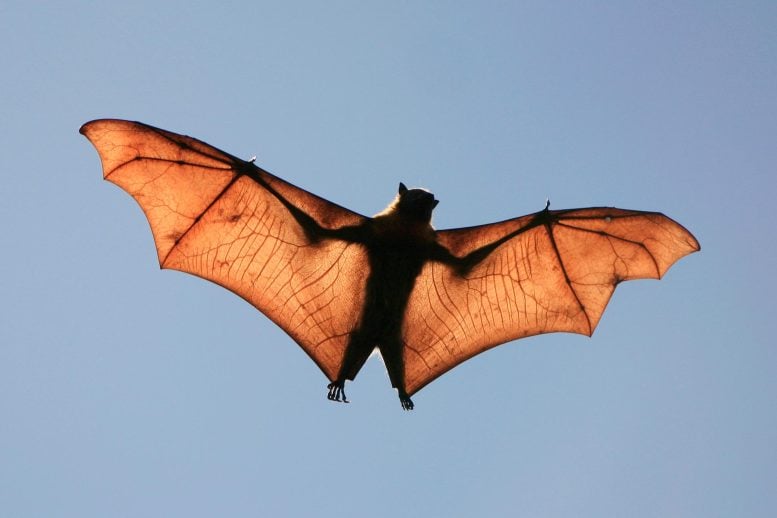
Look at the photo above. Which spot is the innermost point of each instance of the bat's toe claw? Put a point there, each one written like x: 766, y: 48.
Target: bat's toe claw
x: 407, y: 403
x: 337, y: 392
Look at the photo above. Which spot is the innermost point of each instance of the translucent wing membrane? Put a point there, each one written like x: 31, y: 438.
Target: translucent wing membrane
x: 215, y: 216
x: 556, y: 273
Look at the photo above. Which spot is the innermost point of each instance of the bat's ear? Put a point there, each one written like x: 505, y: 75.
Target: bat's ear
x: 402, y: 189
x: 434, y: 204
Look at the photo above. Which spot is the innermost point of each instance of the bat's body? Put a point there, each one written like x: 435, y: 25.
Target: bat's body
x: 342, y: 284
x: 398, y: 243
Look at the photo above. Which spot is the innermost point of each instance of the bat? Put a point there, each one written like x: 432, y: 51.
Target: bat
x: 342, y: 285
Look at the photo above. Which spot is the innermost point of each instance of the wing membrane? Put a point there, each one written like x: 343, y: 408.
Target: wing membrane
x: 554, y: 271
x: 220, y: 218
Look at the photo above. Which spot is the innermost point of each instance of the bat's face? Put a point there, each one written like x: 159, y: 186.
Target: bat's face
x: 416, y: 204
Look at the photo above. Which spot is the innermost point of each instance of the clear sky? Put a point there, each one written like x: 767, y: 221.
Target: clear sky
x: 128, y: 392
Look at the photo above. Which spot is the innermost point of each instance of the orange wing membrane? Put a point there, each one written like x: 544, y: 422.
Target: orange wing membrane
x: 553, y: 271
x: 222, y: 219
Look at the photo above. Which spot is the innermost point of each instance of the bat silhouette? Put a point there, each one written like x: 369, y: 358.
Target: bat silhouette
x: 342, y: 284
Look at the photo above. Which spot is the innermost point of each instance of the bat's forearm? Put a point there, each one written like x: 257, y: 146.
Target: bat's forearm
x: 464, y: 264
x: 313, y: 230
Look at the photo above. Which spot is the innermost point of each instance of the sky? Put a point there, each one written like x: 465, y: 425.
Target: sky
x: 128, y: 391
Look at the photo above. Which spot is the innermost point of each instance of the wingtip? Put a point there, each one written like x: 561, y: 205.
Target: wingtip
x: 84, y: 128
x: 695, y: 245
x: 87, y: 126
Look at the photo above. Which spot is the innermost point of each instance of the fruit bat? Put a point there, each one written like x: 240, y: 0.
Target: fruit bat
x: 342, y: 284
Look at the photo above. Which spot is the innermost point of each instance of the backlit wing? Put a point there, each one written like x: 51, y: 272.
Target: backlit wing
x: 551, y: 271
x: 228, y: 221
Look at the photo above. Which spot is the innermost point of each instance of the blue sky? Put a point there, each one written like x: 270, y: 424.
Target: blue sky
x: 126, y: 391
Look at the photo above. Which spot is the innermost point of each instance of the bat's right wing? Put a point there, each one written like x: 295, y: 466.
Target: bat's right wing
x: 541, y: 273
x: 228, y: 221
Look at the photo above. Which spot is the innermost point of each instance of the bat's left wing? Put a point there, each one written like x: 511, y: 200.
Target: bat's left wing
x: 224, y: 219
x: 541, y: 273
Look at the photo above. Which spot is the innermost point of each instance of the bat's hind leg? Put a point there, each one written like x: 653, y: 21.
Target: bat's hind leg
x: 337, y: 391
x: 356, y: 353
x: 391, y: 352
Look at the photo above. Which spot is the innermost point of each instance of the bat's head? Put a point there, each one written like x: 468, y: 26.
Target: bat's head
x: 414, y: 204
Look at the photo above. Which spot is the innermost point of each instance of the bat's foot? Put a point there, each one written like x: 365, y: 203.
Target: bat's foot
x: 337, y: 392
x: 407, y: 403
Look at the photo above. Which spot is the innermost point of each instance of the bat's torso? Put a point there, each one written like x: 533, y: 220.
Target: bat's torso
x: 397, y: 251
x: 396, y: 259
